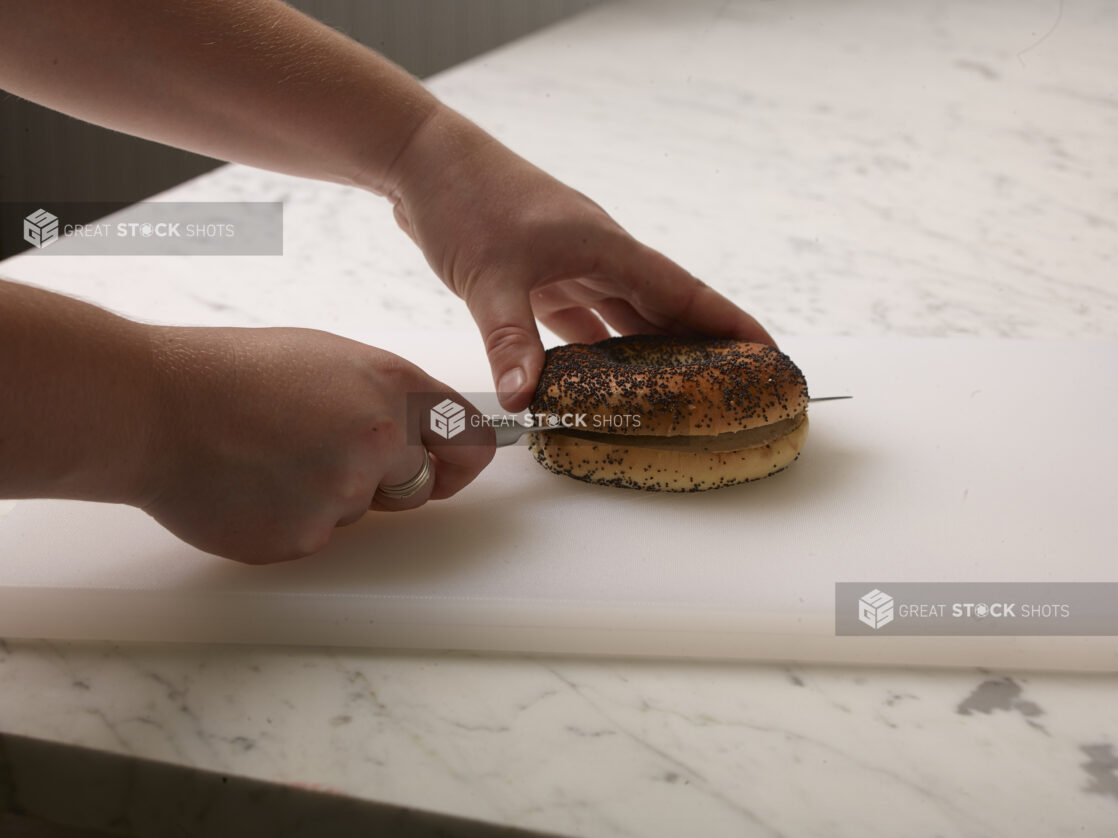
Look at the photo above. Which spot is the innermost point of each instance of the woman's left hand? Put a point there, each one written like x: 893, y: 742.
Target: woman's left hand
x: 517, y: 245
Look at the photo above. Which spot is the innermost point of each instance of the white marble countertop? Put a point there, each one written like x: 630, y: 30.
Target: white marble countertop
x: 927, y: 168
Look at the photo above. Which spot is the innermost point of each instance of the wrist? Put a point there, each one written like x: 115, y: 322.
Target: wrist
x: 187, y: 377
x: 441, y: 142
x: 80, y: 422
x: 379, y: 169
x: 124, y: 456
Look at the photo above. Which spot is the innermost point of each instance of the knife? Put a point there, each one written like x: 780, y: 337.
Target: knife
x: 510, y: 431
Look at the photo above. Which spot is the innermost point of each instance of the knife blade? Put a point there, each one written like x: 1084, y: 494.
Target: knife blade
x: 509, y: 433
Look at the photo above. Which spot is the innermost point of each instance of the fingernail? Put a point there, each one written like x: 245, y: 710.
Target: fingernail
x: 512, y: 381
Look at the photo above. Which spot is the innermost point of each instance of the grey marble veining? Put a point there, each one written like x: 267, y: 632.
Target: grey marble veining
x: 606, y: 747
x: 929, y: 168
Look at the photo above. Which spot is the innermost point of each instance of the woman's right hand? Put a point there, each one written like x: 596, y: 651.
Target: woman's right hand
x: 268, y: 439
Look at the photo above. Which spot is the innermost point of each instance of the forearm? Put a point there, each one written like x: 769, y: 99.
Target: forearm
x: 252, y: 81
x: 77, y: 399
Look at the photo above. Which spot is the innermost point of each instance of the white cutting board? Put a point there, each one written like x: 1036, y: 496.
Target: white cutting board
x: 956, y: 461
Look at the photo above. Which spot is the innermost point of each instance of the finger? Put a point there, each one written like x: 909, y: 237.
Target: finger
x: 352, y: 517
x: 708, y: 312
x: 508, y: 327
x: 404, y: 469
x: 575, y: 325
x: 453, y: 477
x: 357, y: 485
x: 625, y: 319
x: 667, y: 295
x: 460, y: 459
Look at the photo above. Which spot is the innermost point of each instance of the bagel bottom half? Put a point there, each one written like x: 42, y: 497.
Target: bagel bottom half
x: 671, y: 464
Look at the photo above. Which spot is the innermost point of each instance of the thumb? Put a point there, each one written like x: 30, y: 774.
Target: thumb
x: 512, y: 342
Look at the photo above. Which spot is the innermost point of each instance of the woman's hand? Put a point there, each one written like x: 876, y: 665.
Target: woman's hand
x: 270, y: 438
x: 517, y: 245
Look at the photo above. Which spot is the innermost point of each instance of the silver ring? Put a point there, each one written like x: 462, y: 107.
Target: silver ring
x: 406, y: 490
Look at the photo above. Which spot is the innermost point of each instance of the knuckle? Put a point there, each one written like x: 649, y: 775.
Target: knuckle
x: 311, y: 542
x: 258, y: 555
x: 354, y: 489
x: 506, y: 338
x: 398, y: 376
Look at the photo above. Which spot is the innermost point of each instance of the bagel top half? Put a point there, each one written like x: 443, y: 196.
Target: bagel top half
x: 674, y: 386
